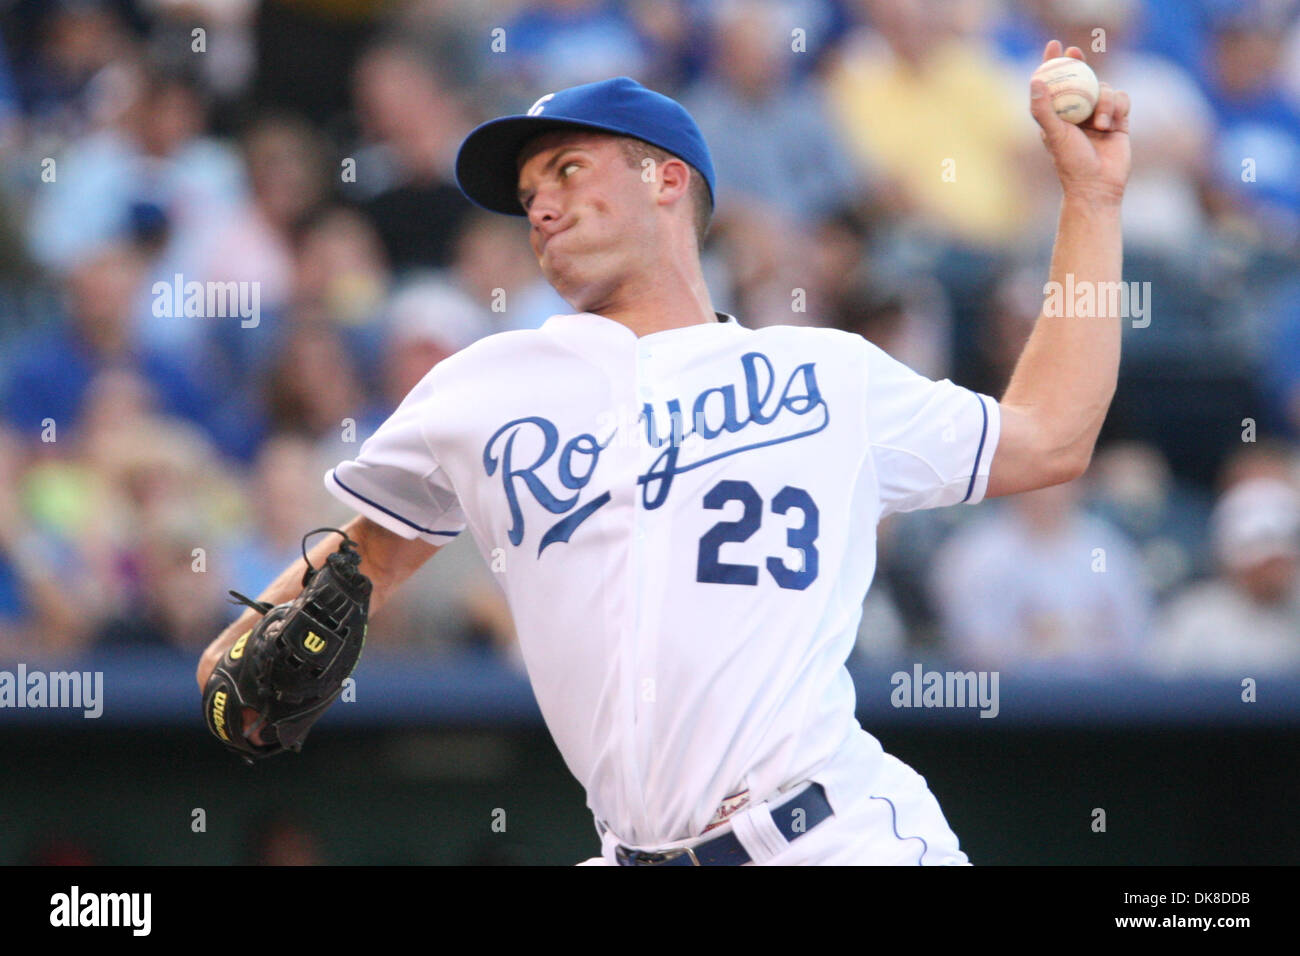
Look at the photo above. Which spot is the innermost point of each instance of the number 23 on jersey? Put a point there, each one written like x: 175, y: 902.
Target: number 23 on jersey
x: 803, y: 536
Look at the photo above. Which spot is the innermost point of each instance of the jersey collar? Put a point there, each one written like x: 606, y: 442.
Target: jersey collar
x: 593, y: 320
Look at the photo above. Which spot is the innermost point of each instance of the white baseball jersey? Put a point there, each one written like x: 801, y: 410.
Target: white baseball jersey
x: 686, y: 527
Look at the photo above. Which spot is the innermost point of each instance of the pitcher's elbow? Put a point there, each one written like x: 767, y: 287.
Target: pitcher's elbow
x: 1076, y: 463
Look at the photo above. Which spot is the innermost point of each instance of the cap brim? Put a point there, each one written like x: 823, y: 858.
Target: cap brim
x: 485, y: 166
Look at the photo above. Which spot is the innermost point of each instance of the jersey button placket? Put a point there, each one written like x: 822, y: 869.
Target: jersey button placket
x: 656, y: 389
x: 645, y: 395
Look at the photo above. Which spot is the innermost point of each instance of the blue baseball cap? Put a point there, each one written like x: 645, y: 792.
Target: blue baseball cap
x: 485, y: 166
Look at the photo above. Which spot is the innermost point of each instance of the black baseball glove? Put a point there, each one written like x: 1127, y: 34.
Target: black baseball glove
x: 291, y: 666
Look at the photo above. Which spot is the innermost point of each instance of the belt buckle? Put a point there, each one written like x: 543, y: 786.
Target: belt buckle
x: 643, y: 858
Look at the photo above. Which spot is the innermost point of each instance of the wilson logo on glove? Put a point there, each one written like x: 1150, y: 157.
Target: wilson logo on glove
x: 273, y: 690
x: 219, y: 714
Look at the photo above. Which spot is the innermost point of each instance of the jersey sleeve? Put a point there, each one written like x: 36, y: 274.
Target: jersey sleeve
x: 931, y: 442
x: 395, y: 481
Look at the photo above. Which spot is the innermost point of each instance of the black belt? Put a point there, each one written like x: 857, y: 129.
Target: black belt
x: 793, y: 818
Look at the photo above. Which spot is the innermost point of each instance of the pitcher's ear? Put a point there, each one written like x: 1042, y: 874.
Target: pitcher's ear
x: 672, y: 173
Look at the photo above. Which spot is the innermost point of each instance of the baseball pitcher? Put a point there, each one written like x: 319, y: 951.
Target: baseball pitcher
x: 684, y: 509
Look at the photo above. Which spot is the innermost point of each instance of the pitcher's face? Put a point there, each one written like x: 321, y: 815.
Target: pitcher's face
x: 590, y: 212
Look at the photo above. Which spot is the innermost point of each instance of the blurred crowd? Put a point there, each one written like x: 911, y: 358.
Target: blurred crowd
x: 878, y: 172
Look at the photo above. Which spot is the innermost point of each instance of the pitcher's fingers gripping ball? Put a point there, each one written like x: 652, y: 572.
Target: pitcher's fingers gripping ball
x: 1072, y: 86
x: 276, y: 680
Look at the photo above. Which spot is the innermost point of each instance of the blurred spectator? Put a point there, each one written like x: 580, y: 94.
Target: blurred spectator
x: 339, y: 279
x: 770, y: 140
x: 13, y: 597
x: 228, y: 57
x: 174, y: 606
x: 907, y: 316
x: 254, y: 242
x: 68, y: 488
x: 313, y: 390
x: 1007, y: 318
x: 451, y: 604
x: 70, y: 59
x: 72, y: 508
x: 1132, y: 488
x: 40, y: 613
x: 495, y: 267
x: 1263, y: 458
x: 812, y: 29
x: 305, y: 50
x: 1247, y: 620
x: 938, y: 127
x: 428, y: 321
x: 837, y: 262
x: 1289, y: 72
x: 273, y: 241
x: 1176, y: 29
x: 671, y: 31
x: 1040, y: 582
x: 1174, y: 126
x: 452, y: 33
x: 10, y: 105
x: 552, y: 44
x: 412, y: 123
x: 882, y: 632
x: 286, y: 499
x: 1256, y: 159
x: 341, y: 270
x: 1279, y: 385
x: 906, y: 546
x: 163, y: 471
x: 51, y: 368
x: 153, y: 175
x: 313, y: 385
x: 161, y: 508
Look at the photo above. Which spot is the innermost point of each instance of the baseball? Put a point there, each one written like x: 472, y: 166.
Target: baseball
x: 1072, y: 85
